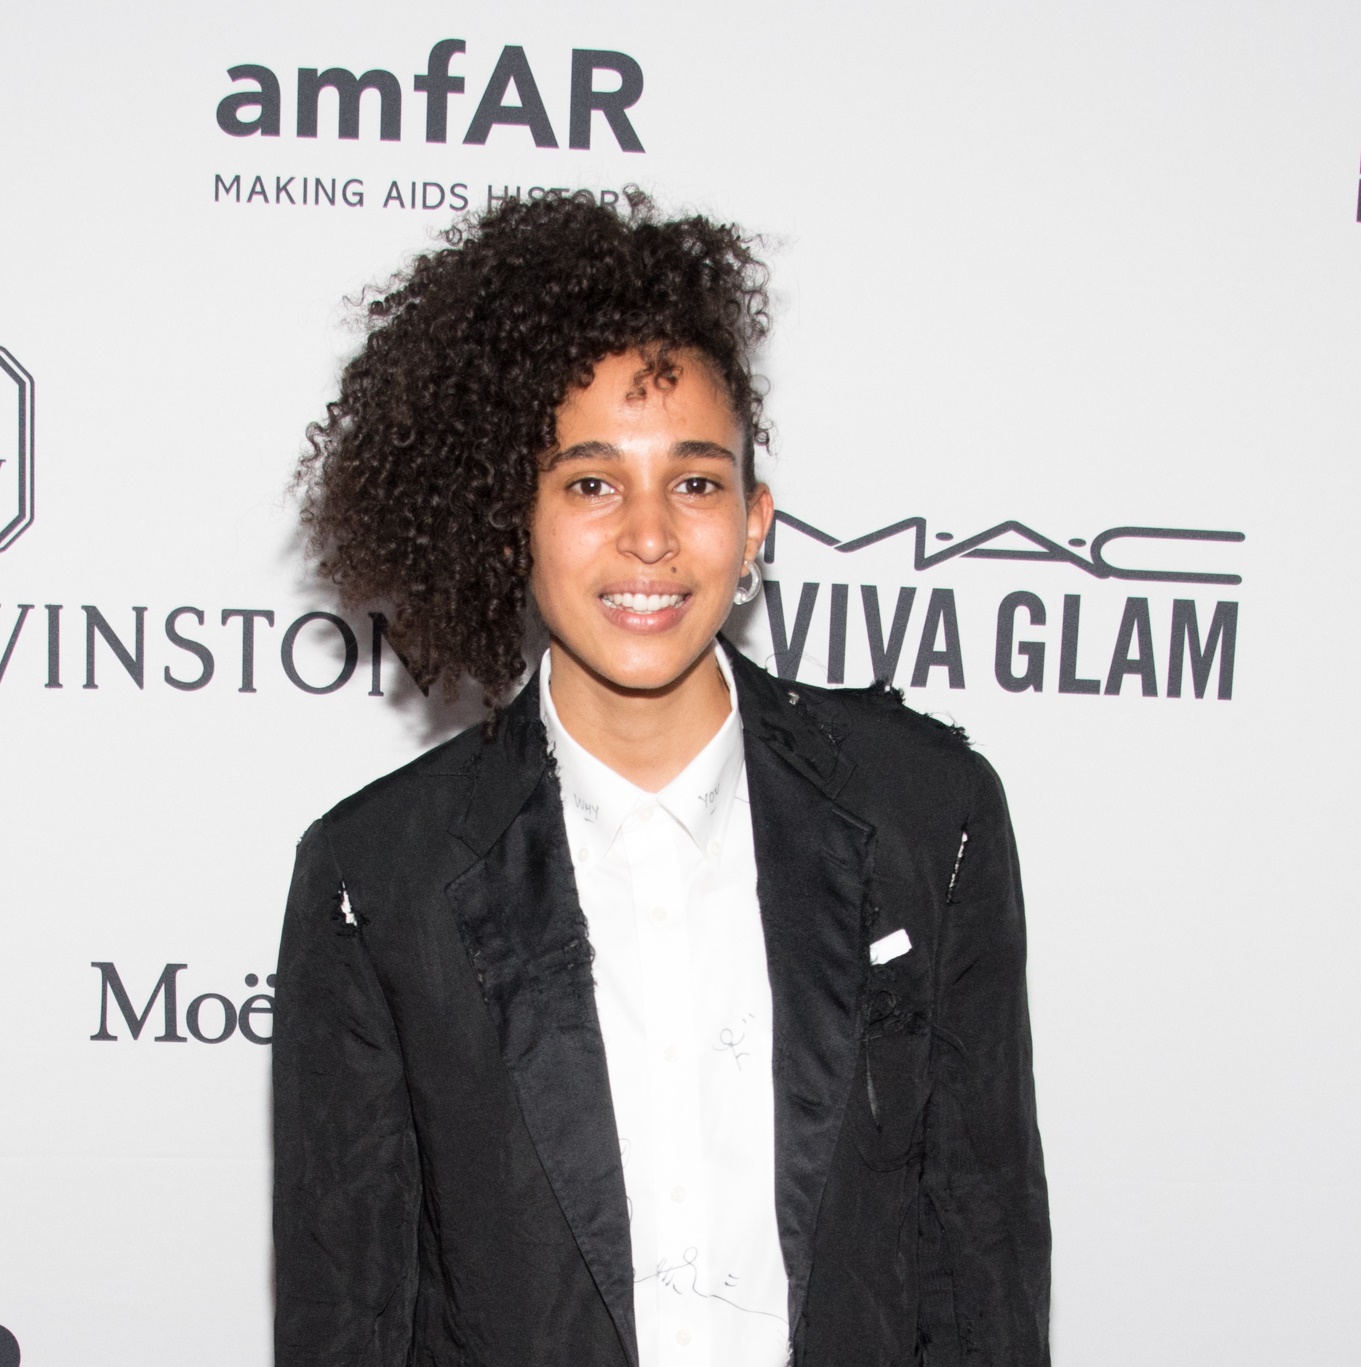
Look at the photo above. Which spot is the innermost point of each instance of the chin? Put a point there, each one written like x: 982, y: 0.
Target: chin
x: 648, y: 667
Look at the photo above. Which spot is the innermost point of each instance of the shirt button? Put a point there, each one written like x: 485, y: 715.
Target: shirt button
x: 672, y: 1054
x: 583, y: 855
x: 645, y: 813
x: 682, y: 1337
x: 678, y: 1194
x: 658, y: 914
x: 714, y: 848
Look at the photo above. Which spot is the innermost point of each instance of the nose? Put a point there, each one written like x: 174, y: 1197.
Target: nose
x: 647, y: 531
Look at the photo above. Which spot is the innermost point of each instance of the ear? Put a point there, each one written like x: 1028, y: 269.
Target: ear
x: 760, y: 514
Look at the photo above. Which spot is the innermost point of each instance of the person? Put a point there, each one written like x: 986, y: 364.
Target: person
x: 678, y: 1014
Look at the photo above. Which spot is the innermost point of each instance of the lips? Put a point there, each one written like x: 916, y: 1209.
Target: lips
x: 643, y: 607
x: 643, y: 604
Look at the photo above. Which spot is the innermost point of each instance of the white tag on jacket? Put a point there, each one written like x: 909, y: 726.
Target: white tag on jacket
x: 890, y: 947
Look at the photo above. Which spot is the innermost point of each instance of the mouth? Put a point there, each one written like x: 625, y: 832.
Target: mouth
x: 640, y: 610
x: 643, y: 604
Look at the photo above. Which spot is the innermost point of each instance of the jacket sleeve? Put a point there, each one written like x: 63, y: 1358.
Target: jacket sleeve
x: 984, y: 1217
x: 346, y: 1171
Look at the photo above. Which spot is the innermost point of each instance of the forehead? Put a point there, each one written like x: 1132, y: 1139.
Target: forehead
x: 629, y: 393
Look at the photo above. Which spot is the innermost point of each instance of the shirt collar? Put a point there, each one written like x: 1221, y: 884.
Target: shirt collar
x: 597, y: 801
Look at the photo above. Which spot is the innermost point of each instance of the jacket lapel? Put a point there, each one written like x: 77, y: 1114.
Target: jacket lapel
x: 522, y: 923
x: 813, y: 861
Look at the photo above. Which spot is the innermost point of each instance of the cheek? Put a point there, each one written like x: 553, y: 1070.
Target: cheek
x: 720, y: 543
x: 562, y: 552
x: 544, y: 571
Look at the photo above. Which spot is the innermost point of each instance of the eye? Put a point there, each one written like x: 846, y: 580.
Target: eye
x: 591, y: 486
x: 699, y: 485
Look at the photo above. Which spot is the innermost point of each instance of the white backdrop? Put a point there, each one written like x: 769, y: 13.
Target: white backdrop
x: 1080, y: 267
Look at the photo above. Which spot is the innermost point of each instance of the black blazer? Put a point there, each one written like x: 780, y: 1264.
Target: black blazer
x: 448, y: 1189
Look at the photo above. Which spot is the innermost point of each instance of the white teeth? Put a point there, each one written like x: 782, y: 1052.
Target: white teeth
x: 643, y: 602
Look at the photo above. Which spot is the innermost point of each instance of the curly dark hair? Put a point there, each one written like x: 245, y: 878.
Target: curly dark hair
x: 419, y: 485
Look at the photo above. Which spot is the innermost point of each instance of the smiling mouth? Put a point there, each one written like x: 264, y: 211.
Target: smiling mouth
x: 643, y: 603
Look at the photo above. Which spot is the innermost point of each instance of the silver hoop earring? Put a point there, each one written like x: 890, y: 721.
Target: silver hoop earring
x: 746, y: 592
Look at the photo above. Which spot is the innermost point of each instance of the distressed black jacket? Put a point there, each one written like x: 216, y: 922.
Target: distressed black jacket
x: 448, y: 1189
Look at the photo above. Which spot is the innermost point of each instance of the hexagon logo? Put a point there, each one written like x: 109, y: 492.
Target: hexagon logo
x: 16, y: 450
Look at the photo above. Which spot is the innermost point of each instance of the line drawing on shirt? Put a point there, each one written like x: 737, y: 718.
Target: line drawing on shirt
x: 730, y: 1040
x: 683, y: 1279
x: 589, y: 810
x: 710, y: 798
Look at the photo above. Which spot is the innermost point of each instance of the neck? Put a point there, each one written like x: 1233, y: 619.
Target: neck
x: 647, y: 736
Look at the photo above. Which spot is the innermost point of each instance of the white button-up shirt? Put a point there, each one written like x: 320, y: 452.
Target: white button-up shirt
x: 667, y: 883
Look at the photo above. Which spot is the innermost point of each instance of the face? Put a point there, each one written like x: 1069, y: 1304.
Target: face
x: 641, y: 525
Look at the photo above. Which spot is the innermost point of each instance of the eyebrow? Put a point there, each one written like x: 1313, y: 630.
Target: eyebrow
x: 603, y: 450
x: 692, y: 450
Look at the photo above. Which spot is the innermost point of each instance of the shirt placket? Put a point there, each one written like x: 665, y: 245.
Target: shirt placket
x: 661, y: 877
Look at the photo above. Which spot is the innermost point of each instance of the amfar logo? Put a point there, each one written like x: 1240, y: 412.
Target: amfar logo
x: 16, y: 450
x: 259, y: 111
x: 210, y: 1017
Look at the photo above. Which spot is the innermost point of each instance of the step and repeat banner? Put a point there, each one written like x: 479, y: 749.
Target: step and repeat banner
x: 1065, y: 377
